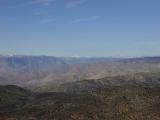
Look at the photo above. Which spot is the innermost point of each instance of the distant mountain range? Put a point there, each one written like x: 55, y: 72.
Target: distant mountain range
x: 33, y: 63
x: 45, y: 72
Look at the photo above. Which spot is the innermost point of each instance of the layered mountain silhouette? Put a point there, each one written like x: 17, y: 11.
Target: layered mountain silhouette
x: 45, y: 73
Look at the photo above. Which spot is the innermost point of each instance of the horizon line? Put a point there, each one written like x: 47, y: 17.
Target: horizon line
x: 19, y: 55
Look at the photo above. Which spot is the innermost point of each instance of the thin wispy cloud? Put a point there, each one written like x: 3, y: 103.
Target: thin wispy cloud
x: 92, y: 18
x: 46, y: 20
x: 43, y: 2
x: 31, y: 3
x: 75, y: 3
x: 41, y: 12
x: 38, y: 13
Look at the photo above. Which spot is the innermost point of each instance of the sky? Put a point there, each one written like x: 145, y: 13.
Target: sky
x: 94, y: 28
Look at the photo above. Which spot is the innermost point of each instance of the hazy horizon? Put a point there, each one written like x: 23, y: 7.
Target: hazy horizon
x: 39, y: 55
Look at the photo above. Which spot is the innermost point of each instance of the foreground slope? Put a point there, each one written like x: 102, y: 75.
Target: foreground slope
x: 112, y: 103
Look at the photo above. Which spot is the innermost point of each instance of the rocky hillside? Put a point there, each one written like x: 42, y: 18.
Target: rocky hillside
x: 112, y: 103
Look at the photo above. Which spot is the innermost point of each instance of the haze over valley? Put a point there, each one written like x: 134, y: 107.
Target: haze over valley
x: 47, y: 73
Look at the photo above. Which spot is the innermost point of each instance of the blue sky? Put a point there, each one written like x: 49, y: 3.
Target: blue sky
x: 121, y: 28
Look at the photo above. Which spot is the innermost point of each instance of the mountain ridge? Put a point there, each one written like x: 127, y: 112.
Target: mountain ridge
x: 32, y: 71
